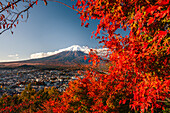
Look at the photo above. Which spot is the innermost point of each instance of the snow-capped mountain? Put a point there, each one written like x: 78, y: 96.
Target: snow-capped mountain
x: 72, y: 55
x: 83, y: 49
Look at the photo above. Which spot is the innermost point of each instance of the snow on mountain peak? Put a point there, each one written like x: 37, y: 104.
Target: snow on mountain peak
x: 74, y: 48
x: 84, y: 49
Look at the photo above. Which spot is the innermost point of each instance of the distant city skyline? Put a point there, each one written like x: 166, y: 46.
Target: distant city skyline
x: 49, y: 28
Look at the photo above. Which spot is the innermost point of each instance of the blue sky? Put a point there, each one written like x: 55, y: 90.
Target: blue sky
x: 48, y: 29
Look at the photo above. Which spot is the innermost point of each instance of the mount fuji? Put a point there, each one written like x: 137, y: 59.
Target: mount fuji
x: 72, y: 55
x: 73, y: 48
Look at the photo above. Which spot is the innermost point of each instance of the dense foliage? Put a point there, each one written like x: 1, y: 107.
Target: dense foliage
x: 138, y: 76
x: 28, y: 101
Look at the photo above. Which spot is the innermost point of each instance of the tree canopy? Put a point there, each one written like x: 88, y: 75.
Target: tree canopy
x: 138, y: 75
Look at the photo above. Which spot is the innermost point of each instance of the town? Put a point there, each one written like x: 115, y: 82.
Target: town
x: 14, y: 81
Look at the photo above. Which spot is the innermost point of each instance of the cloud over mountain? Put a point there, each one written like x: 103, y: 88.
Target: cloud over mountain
x: 41, y: 54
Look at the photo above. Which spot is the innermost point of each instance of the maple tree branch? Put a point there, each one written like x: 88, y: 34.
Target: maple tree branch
x: 18, y: 17
x: 3, y: 9
x: 64, y: 4
x: 9, y: 19
x: 167, y: 100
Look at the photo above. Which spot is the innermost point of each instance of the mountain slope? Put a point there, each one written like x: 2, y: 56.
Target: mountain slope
x: 65, y: 58
x: 84, y: 49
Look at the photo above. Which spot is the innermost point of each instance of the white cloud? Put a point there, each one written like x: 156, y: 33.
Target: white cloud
x: 11, y: 58
x: 15, y: 56
x: 41, y: 55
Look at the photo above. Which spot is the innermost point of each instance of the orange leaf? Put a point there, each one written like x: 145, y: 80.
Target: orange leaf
x: 3, y: 26
x: 15, y: 5
x: 85, y: 58
x: 45, y: 2
x: 87, y: 24
x: 150, y: 21
x: 8, y: 3
x: 12, y: 6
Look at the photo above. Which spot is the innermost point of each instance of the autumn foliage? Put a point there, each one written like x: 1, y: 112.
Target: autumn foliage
x: 137, y: 78
x: 28, y: 101
x: 138, y: 75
